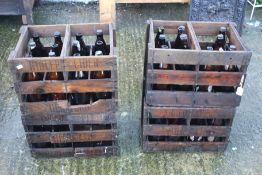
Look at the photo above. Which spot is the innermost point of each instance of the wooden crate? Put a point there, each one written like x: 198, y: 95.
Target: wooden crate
x: 61, y: 113
x: 171, y: 106
x: 195, y: 57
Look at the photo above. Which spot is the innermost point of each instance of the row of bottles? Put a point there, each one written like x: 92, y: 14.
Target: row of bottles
x: 79, y: 48
x: 185, y: 139
x: 73, y: 98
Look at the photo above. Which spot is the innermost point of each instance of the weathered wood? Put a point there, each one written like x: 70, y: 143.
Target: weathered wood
x: 199, y: 99
x: 68, y: 137
x: 52, y: 152
x: 91, y: 152
x: 179, y: 130
x: 184, y: 146
x: 63, y: 107
x: 180, y: 112
x: 50, y: 119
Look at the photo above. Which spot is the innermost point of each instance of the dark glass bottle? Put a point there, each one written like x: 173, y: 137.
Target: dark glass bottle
x: 232, y: 68
x: 220, y: 43
x: 160, y: 31
x: 84, y: 51
x: 176, y: 44
x: 55, y: 48
x: 59, y: 42
x: 101, y: 75
x: 55, y: 76
x: 100, y: 43
x: 41, y: 52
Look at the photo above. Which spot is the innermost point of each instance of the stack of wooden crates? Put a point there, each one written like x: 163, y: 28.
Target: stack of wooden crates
x: 188, y: 106
x: 57, y: 128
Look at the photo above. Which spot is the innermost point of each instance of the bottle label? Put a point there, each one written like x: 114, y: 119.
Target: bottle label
x: 221, y: 49
x: 240, y: 91
x: 209, y: 89
x: 20, y: 66
x: 226, y: 67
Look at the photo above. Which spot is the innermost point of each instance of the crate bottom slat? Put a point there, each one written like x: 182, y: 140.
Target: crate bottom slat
x: 184, y: 146
x: 52, y: 152
x: 96, y: 151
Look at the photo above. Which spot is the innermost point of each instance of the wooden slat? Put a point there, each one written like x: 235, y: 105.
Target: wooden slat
x: 171, y: 77
x: 37, y: 64
x: 107, y: 11
x: 47, y: 30
x: 169, y: 130
x: 89, y: 63
x: 67, y: 137
x: 49, y: 119
x: 81, y: 86
x: 184, y: 146
x: 180, y: 112
x: 96, y: 151
x: 99, y: 106
x: 219, y: 78
x: 52, y: 152
x: 51, y: 107
x: 89, y: 29
x: 174, y: 56
x: 41, y: 87
x: 191, y: 99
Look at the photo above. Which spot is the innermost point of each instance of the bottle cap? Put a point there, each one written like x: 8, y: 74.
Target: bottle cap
x: 162, y: 37
x: 223, y: 29
x: 79, y: 36
x: 99, y: 32
x: 57, y: 34
x: 161, y: 29
x: 210, y: 48
x: 51, y: 54
x: 181, y: 29
x: 36, y: 35
x: 220, y: 37
x: 32, y: 45
x: 183, y: 37
x: 164, y: 47
x: 232, y: 47
x: 98, y: 53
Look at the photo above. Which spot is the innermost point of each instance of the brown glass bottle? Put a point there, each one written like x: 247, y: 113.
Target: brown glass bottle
x: 59, y: 42
x: 41, y: 52
x: 55, y: 76
x: 176, y: 44
x: 220, y: 43
x: 223, y: 31
x: 100, y: 44
x: 160, y: 31
x: 84, y: 50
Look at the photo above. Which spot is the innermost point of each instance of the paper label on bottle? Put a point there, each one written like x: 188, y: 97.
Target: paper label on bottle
x: 192, y: 138
x: 239, y: 91
x: 226, y: 67
x: 221, y: 49
x: 20, y: 66
x: 209, y: 89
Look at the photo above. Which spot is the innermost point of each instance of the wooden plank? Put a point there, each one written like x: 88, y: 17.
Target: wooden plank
x: 96, y: 151
x: 89, y: 63
x: 41, y: 87
x: 37, y: 64
x: 99, y: 106
x: 49, y: 119
x: 80, y: 86
x: 166, y: 98
x: 89, y: 29
x: 219, y: 78
x: 174, y: 56
x: 179, y: 130
x: 50, y: 107
x: 192, y: 99
x: 184, y: 146
x: 107, y: 11
x: 67, y: 137
x: 180, y: 112
x: 52, y: 152
x: 47, y: 30
x: 171, y: 77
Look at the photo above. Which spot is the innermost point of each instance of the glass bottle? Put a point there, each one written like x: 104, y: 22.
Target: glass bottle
x: 160, y: 31
x: 59, y: 42
x: 100, y: 43
x: 84, y: 51
x: 41, y: 52
x: 54, y: 76
x: 176, y: 44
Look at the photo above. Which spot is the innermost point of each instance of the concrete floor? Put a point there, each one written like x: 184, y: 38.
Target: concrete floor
x: 246, y: 133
